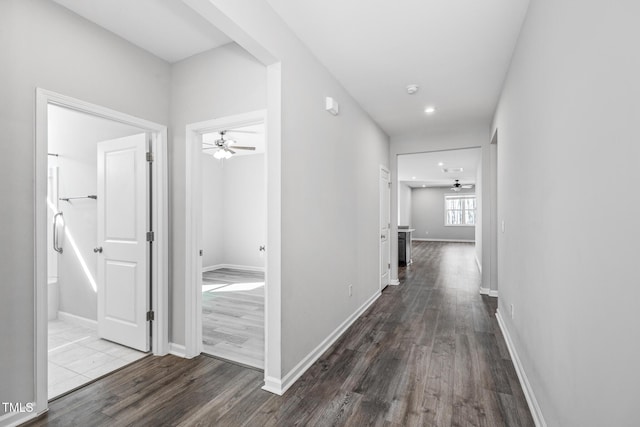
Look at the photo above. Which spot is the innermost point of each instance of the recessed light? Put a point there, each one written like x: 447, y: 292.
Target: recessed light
x: 423, y: 185
x: 430, y: 110
x: 413, y: 177
x: 440, y: 164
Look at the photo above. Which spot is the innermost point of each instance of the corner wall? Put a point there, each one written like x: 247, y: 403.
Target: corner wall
x: 329, y: 188
x: 568, y: 128
x: 218, y: 83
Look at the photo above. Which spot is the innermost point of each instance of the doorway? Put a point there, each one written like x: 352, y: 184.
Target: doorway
x: 227, y: 282
x: 233, y: 243
x: 100, y: 242
x: 439, y: 199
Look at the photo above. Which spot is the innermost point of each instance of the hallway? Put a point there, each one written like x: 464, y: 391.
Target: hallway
x: 428, y: 353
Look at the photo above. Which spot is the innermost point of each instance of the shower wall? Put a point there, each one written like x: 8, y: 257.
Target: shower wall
x: 73, y: 136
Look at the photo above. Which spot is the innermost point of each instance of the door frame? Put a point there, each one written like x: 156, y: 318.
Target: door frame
x: 485, y: 194
x: 384, y: 169
x: 193, y: 224
x: 159, y: 217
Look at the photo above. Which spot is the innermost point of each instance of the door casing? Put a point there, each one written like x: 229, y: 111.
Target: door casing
x: 385, y: 226
x: 159, y: 217
x: 193, y: 261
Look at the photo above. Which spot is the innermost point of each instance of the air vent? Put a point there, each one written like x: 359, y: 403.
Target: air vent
x: 452, y: 170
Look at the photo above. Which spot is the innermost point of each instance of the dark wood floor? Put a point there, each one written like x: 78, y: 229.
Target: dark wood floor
x: 427, y: 353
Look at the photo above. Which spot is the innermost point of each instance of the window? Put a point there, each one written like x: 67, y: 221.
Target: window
x: 460, y: 210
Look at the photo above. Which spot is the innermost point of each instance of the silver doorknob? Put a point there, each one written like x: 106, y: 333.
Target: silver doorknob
x: 98, y: 250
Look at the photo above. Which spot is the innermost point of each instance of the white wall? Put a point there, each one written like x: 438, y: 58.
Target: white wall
x: 74, y: 137
x: 244, y: 210
x: 44, y: 45
x: 473, y: 135
x: 568, y: 127
x: 214, y: 84
x: 404, y: 204
x: 428, y: 216
x: 212, y: 211
x: 479, y: 186
x: 234, y: 211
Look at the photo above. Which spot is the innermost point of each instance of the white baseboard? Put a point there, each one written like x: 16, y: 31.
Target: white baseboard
x: 478, y: 264
x: 536, y: 412
x: 232, y: 266
x: 279, y: 387
x: 177, y: 350
x: 13, y: 419
x: 273, y: 385
x: 394, y: 282
x: 77, y: 320
x: 443, y: 240
x: 487, y: 291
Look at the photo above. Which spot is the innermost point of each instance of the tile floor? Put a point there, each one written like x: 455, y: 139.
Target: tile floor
x: 77, y: 356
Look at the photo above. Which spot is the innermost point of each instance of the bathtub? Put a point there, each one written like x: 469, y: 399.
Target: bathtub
x: 52, y: 298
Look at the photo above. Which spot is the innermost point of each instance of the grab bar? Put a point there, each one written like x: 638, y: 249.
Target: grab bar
x: 56, y: 246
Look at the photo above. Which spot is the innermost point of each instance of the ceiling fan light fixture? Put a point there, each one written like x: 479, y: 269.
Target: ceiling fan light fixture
x: 222, y: 154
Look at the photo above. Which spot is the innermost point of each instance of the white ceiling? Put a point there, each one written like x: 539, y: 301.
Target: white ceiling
x: 252, y: 136
x: 168, y: 29
x: 457, y: 51
x: 426, y: 171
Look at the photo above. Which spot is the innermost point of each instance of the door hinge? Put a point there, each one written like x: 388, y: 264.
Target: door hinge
x: 389, y: 266
x: 150, y: 316
x: 389, y: 183
x: 201, y: 252
x: 149, y: 156
x: 150, y: 236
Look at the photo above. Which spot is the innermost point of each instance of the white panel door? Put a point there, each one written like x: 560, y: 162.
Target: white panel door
x: 385, y: 224
x: 123, y: 250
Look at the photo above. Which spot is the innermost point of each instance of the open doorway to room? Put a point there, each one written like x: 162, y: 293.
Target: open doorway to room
x: 226, y: 238
x: 437, y: 203
x: 86, y: 339
x: 233, y: 243
x: 100, y: 234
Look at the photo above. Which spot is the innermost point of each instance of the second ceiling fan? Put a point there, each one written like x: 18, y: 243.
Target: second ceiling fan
x: 457, y: 186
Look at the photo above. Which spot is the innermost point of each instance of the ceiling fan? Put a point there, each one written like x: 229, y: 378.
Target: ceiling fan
x: 223, y: 146
x: 457, y: 186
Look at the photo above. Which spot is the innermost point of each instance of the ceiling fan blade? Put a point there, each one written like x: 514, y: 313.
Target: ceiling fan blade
x: 243, y: 131
x: 230, y: 150
x: 211, y: 148
x: 243, y: 148
x: 467, y: 186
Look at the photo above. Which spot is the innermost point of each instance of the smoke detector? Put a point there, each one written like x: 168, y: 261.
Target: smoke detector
x: 411, y: 89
